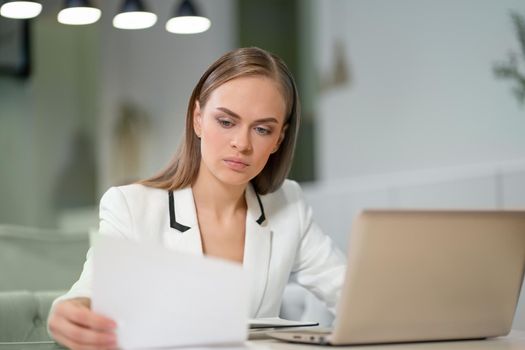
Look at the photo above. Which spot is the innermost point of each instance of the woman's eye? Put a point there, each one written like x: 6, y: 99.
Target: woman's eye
x: 262, y: 131
x: 225, y: 123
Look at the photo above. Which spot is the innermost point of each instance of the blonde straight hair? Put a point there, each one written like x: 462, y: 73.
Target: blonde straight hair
x: 182, y: 171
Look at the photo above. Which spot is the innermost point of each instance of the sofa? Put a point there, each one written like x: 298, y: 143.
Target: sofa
x: 23, y: 315
x: 36, y: 266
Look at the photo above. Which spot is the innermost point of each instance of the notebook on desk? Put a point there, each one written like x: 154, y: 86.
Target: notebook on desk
x: 427, y: 275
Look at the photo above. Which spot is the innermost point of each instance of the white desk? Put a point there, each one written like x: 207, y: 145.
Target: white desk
x: 514, y: 341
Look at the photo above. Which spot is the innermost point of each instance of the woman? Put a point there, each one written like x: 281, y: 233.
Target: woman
x: 223, y: 195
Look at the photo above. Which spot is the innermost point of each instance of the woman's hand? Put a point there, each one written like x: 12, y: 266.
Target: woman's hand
x: 75, y: 326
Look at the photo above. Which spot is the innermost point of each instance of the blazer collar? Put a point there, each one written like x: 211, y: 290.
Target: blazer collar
x: 183, y: 216
x: 257, y: 250
x: 185, y: 236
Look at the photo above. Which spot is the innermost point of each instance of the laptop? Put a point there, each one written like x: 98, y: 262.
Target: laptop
x: 427, y: 276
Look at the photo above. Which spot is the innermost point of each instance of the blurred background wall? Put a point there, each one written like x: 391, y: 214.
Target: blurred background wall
x: 387, y: 86
x: 420, y: 91
x: 101, y: 107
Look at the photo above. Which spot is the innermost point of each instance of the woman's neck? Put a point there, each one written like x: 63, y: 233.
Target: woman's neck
x: 217, y: 198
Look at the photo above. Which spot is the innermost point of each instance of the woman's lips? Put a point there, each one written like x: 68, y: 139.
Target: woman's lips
x: 235, y: 164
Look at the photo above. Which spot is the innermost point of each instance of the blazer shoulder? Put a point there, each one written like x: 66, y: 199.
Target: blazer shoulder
x: 289, y: 194
x: 290, y: 189
x: 133, y: 192
x: 291, y: 185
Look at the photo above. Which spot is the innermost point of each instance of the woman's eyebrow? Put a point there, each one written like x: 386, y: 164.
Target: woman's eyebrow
x: 236, y: 116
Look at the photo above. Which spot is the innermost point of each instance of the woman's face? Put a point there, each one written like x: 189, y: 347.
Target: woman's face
x: 240, y: 126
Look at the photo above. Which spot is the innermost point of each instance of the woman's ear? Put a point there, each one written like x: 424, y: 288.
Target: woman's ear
x: 197, y: 119
x: 281, y: 138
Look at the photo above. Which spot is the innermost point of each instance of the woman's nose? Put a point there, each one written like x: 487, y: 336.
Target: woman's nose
x: 241, y: 141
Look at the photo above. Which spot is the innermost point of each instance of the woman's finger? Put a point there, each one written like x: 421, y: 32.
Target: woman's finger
x: 86, y: 336
x: 77, y: 337
x: 83, y: 316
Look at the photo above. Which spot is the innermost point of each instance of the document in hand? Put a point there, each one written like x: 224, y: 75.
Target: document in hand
x: 162, y: 298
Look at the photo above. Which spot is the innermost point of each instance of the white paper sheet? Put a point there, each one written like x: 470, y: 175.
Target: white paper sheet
x: 161, y: 298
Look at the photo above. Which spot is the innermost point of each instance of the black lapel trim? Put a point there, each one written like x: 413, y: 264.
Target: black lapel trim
x: 261, y: 218
x: 173, y: 222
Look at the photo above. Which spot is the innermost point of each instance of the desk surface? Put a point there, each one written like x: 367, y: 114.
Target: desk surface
x: 514, y: 341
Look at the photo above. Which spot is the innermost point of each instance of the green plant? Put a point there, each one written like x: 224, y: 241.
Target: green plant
x: 511, y: 68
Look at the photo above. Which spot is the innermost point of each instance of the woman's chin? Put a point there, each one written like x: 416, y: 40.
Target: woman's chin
x: 232, y: 178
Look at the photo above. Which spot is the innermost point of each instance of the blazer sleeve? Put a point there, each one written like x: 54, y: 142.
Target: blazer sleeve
x: 319, y: 265
x: 115, y: 220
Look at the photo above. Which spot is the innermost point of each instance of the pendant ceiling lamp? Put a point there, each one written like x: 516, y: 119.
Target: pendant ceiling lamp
x: 187, y: 20
x: 20, y: 9
x: 133, y: 15
x: 78, y: 12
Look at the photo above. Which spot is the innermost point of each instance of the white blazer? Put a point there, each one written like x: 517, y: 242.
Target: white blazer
x: 282, y: 242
